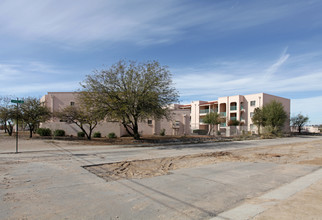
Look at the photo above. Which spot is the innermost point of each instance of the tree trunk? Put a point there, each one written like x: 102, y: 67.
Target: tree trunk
x: 210, y: 128
x: 136, y: 134
x: 10, y: 129
x: 127, y: 129
x: 300, y: 129
x: 215, y: 129
x: 89, y: 137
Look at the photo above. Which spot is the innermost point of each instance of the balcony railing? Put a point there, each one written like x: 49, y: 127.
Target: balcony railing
x: 222, y: 124
x: 223, y: 114
x: 241, y: 107
x: 233, y: 108
x: 203, y: 111
x: 233, y: 118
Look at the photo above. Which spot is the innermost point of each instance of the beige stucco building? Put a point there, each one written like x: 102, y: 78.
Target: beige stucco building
x: 185, y: 118
x: 238, y: 107
x: 179, y: 124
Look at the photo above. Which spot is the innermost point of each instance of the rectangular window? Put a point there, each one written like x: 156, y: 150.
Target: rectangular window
x: 252, y: 103
x: 72, y: 103
x: 251, y: 114
x: 149, y: 122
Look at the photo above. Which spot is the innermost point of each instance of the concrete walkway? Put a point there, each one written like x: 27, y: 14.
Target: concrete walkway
x: 257, y: 206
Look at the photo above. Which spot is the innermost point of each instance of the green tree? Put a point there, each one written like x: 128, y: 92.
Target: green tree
x: 212, y: 118
x: 274, y: 115
x: 4, y: 111
x: 32, y: 112
x: 132, y: 92
x: 299, y: 121
x: 8, y: 115
x: 83, y: 114
x: 258, y: 119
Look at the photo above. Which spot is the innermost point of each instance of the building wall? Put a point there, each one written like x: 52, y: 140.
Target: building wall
x: 308, y: 128
x: 239, y: 107
x: 56, y: 101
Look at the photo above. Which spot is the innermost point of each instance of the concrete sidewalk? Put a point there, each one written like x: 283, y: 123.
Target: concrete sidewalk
x: 300, y: 199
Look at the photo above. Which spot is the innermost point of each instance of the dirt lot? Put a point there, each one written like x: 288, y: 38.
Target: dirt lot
x: 298, y: 153
x: 47, y: 180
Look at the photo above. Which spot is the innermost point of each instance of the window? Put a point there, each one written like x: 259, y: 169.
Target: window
x: 177, y: 123
x: 72, y: 103
x: 251, y: 114
x: 252, y: 127
x: 252, y: 103
x: 149, y: 122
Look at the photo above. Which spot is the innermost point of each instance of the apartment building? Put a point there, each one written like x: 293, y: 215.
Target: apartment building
x: 238, y: 107
x: 185, y: 118
x: 179, y: 124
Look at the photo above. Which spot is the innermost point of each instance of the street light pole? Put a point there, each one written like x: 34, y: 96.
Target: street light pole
x: 17, y: 128
x: 17, y: 102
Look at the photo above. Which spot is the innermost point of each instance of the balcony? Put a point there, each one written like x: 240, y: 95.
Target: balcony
x: 222, y: 124
x: 242, y: 108
x: 204, y: 111
x: 223, y: 114
x: 233, y: 108
x: 233, y: 118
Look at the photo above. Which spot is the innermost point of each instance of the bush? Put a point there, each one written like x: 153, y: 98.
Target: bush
x: 80, y: 134
x: 233, y: 123
x: 43, y: 131
x: 59, y: 133
x: 162, y: 132
x: 112, y: 135
x: 200, y: 132
x: 218, y: 133
x: 97, y: 135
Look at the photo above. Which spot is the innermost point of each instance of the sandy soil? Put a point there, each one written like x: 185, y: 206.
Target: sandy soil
x: 154, y: 167
x: 299, y: 153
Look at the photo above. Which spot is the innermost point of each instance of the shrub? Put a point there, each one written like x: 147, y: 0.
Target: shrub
x: 80, y: 134
x: 97, y: 135
x: 272, y: 131
x: 200, y: 132
x: 112, y: 135
x: 233, y: 123
x: 59, y: 133
x: 162, y: 132
x: 218, y: 133
x: 43, y: 131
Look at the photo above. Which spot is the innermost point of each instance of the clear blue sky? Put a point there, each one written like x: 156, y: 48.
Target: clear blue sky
x: 213, y: 48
